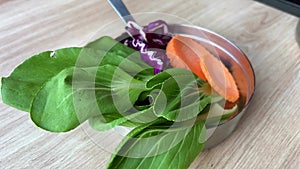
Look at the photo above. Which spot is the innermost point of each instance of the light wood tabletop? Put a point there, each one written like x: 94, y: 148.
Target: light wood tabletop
x: 268, y: 135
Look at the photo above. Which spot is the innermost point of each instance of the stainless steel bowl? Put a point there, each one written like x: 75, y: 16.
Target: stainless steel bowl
x: 238, y: 64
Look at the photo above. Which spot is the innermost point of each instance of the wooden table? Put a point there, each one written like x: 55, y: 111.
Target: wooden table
x: 268, y: 136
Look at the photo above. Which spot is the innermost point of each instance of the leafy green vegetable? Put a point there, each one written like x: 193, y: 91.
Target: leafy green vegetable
x: 19, y: 89
x: 108, y: 84
x: 78, y: 95
x: 38, y: 85
x: 154, y: 147
x: 180, y: 99
x: 106, y: 43
x: 169, y: 108
x: 58, y: 105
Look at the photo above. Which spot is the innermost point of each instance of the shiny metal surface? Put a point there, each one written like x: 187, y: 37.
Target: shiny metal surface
x: 218, y: 134
x: 238, y: 64
x: 121, y: 10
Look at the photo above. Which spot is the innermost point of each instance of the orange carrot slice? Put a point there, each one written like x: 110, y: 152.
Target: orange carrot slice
x: 184, y: 52
x: 181, y: 56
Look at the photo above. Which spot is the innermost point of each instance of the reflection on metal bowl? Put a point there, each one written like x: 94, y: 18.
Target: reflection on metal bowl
x: 237, y: 63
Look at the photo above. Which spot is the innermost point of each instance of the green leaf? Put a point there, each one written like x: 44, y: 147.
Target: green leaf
x: 187, y: 112
x: 176, y: 95
x: 107, y: 43
x: 19, y: 89
x: 160, y: 146
x: 53, y: 108
x: 76, y: 94
x: 168, y: 101
x: 132, y: 120
x: 180, y: 99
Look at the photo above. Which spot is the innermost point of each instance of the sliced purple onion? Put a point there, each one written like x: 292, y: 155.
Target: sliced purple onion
x: 150, y: 41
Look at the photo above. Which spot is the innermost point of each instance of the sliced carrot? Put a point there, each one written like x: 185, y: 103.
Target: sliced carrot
x: 181, y: 56
x: 184, y: 52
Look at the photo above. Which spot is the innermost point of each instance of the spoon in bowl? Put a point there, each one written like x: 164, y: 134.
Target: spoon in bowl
x: 121, y: 10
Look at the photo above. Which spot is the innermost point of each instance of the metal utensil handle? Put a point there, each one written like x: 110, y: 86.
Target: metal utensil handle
x: 121, y: 10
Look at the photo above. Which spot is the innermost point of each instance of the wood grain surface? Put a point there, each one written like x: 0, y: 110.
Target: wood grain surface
x: 268, y: 136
